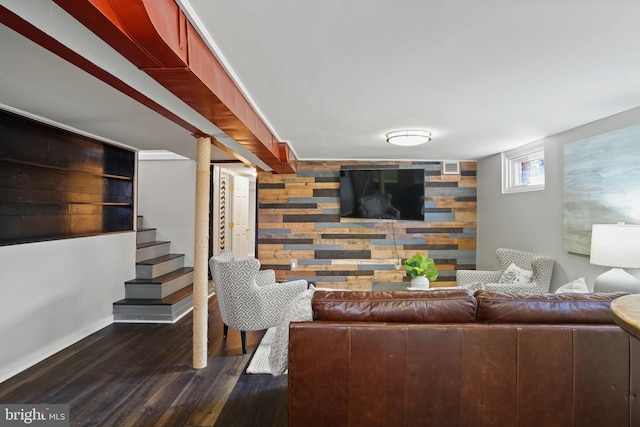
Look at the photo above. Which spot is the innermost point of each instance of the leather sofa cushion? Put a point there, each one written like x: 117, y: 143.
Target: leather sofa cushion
x: 451, y: 306
x: 497, y: 307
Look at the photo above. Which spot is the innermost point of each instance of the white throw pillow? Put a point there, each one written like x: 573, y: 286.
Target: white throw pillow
x: 517, y: 275
x: 578, y: 286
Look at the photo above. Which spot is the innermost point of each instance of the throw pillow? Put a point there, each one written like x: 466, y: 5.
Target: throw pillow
x: 578, y: 286
x: 517, y: 275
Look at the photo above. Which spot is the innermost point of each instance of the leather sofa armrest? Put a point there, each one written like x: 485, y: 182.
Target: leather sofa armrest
x: 498, y: 307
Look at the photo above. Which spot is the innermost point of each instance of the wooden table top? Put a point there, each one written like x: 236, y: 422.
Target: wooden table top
x: 626, y: 312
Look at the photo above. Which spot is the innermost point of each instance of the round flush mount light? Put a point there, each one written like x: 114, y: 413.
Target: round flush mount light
x: 407, y: 138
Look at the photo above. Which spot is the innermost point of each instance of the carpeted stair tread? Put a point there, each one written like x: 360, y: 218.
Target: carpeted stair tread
x: 162, y: 279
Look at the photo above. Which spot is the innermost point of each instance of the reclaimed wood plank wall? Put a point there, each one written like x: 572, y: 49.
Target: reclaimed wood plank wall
x: 299, y: 220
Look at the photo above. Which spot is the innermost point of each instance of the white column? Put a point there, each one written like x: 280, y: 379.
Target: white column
x: 201, y: 254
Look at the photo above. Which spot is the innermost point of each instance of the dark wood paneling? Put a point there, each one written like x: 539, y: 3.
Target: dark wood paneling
x: 326, y: 192
x: 284, y: 241
x: 416, y: 247
x: 276, y: 186
x: 353, y: 236
x: 328, y: 179
x: 443, y: 184
x: 288, y: 206
x: 343, y: 254
x: 56, y: 184
x: 416, y: 230
x: 355, y: 273
x: 437, y: 210
x: 311, y: 218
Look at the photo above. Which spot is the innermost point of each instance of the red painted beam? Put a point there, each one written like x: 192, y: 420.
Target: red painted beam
x: 156, y: 36
x: 19, y: 25
x: 287, y: 155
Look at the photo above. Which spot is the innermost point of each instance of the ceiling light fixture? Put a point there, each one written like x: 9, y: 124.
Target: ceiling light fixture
x: 407, y: 138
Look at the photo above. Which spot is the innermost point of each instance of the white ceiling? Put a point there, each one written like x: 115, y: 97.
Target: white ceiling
x: 333, y: 77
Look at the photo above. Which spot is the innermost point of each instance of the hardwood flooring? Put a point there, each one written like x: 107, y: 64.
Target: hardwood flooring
x: 141, y: 375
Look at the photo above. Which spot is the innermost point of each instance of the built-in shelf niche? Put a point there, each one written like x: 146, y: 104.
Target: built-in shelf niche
x: 56, y: 184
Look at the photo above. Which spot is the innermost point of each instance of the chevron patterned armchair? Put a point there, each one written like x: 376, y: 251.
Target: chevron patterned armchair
x: 538, y: 267
x: 249, y: 299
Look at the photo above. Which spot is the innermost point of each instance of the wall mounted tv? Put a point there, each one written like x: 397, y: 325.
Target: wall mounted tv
x: 389, y: 193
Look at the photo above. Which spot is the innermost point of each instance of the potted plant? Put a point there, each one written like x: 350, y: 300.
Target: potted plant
x: 422, y: 270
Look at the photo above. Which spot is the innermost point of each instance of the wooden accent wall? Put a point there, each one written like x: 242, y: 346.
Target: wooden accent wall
x: 299, y: 220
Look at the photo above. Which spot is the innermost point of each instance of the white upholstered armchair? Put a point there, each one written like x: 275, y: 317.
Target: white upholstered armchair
x: 538, y: 267
x: 249, y: 299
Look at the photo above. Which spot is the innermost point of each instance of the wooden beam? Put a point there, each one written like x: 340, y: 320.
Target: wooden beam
x: 157, y: 38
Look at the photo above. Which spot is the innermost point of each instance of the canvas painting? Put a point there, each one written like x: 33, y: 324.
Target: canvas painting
x: 601, y: 184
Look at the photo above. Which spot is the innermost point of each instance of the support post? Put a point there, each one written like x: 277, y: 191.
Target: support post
x: 201, y: 254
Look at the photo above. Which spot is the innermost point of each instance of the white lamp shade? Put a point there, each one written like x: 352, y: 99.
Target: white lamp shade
x: 615, y: 245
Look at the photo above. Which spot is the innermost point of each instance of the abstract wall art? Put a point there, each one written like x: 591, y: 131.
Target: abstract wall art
x: 601, y: 184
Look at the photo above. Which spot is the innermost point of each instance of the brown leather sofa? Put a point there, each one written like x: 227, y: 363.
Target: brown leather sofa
x: 453, y: 358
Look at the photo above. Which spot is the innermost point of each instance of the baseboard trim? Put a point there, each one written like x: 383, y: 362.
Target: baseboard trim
x: 14, y: 368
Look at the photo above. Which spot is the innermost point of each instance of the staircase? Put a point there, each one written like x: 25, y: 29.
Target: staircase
x: 162, y: 291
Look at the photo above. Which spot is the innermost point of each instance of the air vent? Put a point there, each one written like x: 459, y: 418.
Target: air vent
x: 451, y: 168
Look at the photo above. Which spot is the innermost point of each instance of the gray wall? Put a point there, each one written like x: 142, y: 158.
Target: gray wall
x: 532, y: 221
x: 55, y: 293
x: 166, y: 200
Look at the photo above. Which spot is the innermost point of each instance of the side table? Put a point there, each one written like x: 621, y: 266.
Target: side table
x: 626, y: 313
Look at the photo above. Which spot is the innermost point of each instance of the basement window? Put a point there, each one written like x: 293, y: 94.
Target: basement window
x: 523, y: 168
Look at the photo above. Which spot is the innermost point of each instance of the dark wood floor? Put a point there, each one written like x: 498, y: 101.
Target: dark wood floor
x: 142, y: 375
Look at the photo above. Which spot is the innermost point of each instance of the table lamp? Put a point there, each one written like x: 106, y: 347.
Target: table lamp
x: 616, y: 246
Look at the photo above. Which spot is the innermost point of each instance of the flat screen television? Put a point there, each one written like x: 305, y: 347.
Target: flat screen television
x: 382, y: 193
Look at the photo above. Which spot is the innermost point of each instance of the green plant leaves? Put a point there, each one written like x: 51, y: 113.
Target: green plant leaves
x: 418, y: 265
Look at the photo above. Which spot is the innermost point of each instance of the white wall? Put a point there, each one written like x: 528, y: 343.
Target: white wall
x: 166, y: 200
x: 55, y: 293
x: 532, y: 221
